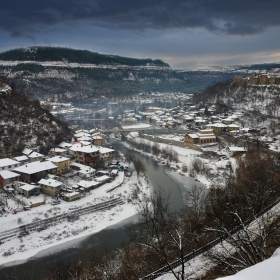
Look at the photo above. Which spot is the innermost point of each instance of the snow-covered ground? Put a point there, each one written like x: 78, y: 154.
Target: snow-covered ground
x: 217, y: 166
x: 199, y: 266
x: 23, y: 248
x: 268, y: 269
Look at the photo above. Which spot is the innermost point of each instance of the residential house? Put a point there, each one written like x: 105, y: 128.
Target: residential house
x: 27, y: 189
x: 84, y: 143
x: 87, y: 155
x: 8, y: 177
x: 217, y: 127
x: 72, y: 196
x: 233, y: 127
x: 81, y: 134
x: 62, y: 163
x: 97, y: 140
x: 22, y: 159
x: 84, y: 138
x: 88, y: 185
x: 106, y: 155
x: 8, y: 164
x: 104, y: 138
x: 236, y: 151
x: 64, y: 145
x: 50, y: 187
x: 83, y: 170
x: 34, y: 171
x: 103, y: 179
x: 58, y: 152
x: 27, y: 151
x: 227, y: 121
x: 34, y: 156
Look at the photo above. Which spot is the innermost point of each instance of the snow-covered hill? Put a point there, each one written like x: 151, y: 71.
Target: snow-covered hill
x: 25, y: 123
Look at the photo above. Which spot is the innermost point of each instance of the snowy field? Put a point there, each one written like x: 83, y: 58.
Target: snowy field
x: 18, y: 249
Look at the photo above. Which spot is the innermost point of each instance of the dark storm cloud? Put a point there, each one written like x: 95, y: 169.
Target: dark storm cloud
x: 22, y: 18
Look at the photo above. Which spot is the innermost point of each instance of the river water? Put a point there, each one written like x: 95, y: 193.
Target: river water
x: 160, y: 177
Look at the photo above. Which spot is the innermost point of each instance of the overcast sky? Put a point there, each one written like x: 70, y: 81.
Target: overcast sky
x: 183, y: 33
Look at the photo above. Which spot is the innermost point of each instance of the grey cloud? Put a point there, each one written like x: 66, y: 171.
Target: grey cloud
x: 222, y: 16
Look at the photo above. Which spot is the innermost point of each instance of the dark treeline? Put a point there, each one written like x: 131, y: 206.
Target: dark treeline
x: 72, y: 55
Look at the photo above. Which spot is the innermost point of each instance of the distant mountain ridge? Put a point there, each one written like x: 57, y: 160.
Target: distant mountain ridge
x: 41, y: 54
x: 63, y: 74
x: 246, y: 68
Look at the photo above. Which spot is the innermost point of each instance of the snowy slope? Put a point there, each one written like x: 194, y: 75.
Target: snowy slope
x: 268, y: 269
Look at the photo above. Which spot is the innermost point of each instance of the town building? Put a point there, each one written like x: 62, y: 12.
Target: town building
x: 87, y: 155
x: 203, y: 136
x: 50, y: 187
x: 34, y: 171
x: 8, y: 164
x: 8, y: 178
x: 62, y: 163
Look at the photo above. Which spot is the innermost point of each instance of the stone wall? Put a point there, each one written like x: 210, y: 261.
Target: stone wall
x: 262, y: 79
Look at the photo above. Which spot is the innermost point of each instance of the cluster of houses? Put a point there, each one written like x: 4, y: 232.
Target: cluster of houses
x: 33, y: 173
x: 184, y: 118
x: 155, y: 115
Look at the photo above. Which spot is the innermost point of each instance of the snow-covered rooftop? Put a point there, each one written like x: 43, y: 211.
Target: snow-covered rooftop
x: 5, y: 174
x: 35, y: 167
x: 28, y: 187
x: 6, y: 162
x: 27, y: 151
x: 50, y: 182
x: 87, y: 184
x: 58, y: 159
x: 21, y: 158
x: 35, y: 155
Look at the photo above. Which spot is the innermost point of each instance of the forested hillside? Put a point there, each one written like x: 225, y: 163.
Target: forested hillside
x: 74, y: 56
x: 25, y: 123
x: 62, y: 74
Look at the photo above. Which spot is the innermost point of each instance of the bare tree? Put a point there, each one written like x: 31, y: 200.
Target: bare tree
x: 160, y: 234
x: 156, y: 149
x: 139, y: 166
x: 250, y: 243
x: 195, y: 200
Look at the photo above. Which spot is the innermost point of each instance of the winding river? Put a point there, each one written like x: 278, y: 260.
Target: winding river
x: 159, y: 176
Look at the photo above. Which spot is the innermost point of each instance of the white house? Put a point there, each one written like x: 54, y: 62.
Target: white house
x: 8, y: 164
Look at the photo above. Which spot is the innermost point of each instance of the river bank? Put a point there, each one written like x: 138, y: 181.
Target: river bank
x: 114, y: 233
x: 17, y: 250
x: 203, y: 168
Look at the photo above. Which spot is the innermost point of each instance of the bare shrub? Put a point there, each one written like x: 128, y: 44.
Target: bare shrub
x: 19, y: 221
x: 185, y: 168
x: 197, y: 165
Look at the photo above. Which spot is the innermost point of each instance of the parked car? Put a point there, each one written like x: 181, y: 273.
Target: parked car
x: 55, y: 202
